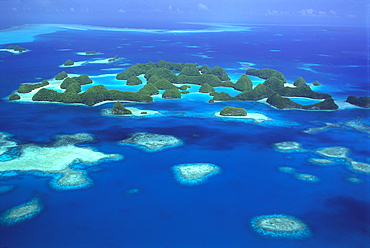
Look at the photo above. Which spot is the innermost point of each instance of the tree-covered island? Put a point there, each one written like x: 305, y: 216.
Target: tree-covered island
x: 363, y: 101
x: 166, y: 76
x: 16, y: 49
x: 232, y: 111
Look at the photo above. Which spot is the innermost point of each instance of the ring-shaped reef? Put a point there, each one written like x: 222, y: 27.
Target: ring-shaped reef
x: 280, y: 226
x: 57, y: 160
x: 21, y: 212
x: 192, y: 174
x: 151, y: 142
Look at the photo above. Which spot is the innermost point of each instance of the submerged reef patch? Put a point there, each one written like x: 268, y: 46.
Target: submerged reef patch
x: 22, y: 212
x: 321, y: 161
x: 56, y: 161
x: 334, y: 152
x: 191, y: 174
x: 354, y: 180
x: 353, y: 125
x: 287, y: 169
x: 151, y: 142
x: 6, y: 144
x: 280, y: 226
x: 360, y: 167
x: 288, y: 146
x: 307, y: 177
x: 6, y: 188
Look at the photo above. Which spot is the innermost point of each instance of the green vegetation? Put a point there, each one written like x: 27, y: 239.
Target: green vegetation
x: 90, y: 52
x: 327, y: 104
x: 205, y: 69
x: 316, y: 83
x: 285, y: 103
x: 171, y: 94
x: 26, y: 88
x: 70, y: 97
x: 206, y: 88
x: 14, y: 97
x: 69, y: 63
x: 244, y: 83
x: 363, y: 101
x: 16, y: 48
x: 134, y: 80
x: 302, y: 90
x: 91, y: 96
x: 274, y: 84
x: 232, y: 111
x: 266, y: 73
x: 190, y: 71
x: 280, y: 102
x: 300, y: 81
x: 259, y: 92
x: 210, y: 79
x: 119, y: 109
x: 164, y: 84
x: 139, y: 69
x: 162, y: 76
x: 47, y: 95
x: 221, y: 96
x: 62, y: 75
x: 81, y: 80
x: 114, y: 59
x: 162, y: 73
x: 220, y: 73
x: 184, y: 87
x: 74, y: 87
x: 149, y: 89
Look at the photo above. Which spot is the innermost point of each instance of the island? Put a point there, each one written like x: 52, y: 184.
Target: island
x: 56, y: 160
x: 166, y: 76
x: 113, y: 59
x: 21, y: 212
x: 69, y: 63
x: 280, y: 226
x: 232, y: 111
x: 191, y: 174
x: 151, y: 142
x: 91, y: 52
x: 363, y: 101
x: 119, y: 109
x: 26, y: 88
x: 16, y: 49
x: 171, y: 94
x: 133, y: 81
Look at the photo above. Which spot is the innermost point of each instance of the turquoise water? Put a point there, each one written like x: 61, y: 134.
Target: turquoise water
x: 219, y: 211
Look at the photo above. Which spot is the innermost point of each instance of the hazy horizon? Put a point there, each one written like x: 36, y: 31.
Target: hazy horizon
x: 165, y: 13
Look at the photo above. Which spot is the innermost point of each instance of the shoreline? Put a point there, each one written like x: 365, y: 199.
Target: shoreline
x: 257, y: 117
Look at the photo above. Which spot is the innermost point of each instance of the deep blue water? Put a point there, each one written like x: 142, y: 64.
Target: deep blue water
x: 216, y: 213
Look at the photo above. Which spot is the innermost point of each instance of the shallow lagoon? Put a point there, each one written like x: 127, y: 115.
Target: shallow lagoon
x: 218, y: 212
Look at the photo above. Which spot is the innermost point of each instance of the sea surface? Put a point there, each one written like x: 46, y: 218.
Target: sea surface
x: 217, y: 212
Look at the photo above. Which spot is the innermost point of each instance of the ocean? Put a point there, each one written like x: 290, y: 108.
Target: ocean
x: 160, y: 211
